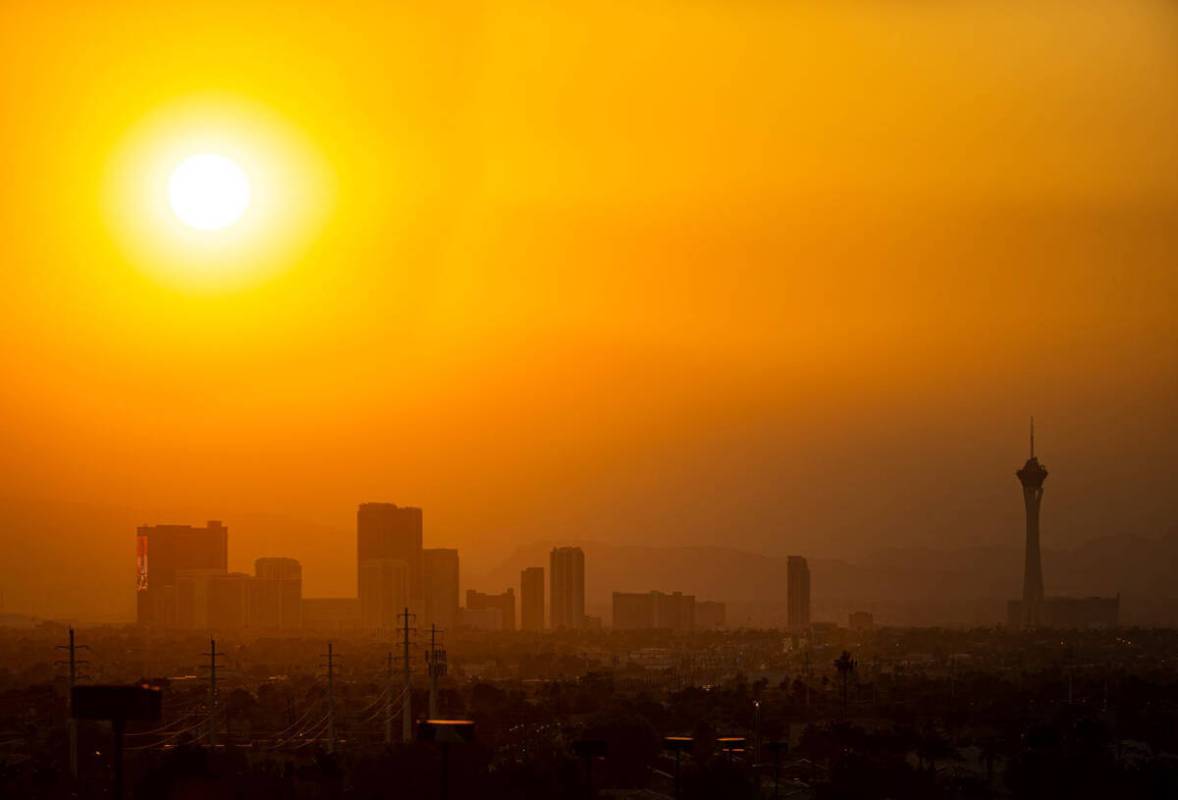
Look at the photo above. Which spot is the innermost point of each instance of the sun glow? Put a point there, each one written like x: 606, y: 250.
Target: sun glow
x: 209, y: 192
x: 216, y: 193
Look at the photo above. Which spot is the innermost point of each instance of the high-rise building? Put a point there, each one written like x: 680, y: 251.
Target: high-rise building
x: 1031, y: 476
x: 798, y: 588
x: 229, y: 599
x: 276, y: 594
x: 531, y: 599
x: 441, y: 588
x: 278, y: 569
x: 331, y: 613
x: 161, y: 552
x: 188, y: 598
x: 653, y: 610
x: 504, y: 602
x: 632, y: 611
x: 385, y: 532
x: 566, y: 575
x: 674, y: 611
x: 482, y: 619
x: 384, y: 592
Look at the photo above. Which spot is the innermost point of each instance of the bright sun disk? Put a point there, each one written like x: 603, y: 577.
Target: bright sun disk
x: 208, y: 191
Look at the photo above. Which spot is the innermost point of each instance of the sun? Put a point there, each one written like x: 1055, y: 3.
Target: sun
x: 214, y: 193
x: 208, y: 191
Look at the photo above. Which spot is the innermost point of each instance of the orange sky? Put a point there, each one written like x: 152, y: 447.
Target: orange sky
x: 785, y: 278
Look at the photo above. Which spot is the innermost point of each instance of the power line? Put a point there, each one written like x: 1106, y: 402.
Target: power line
x: 315, y: 727
x: 73, y: 679
x: 169, y: 738
x: 388, y: 704
x: 377, y: 703
x: 436, y: 662
x: 407, y: 698
x: 212, y: 668
x: 165, y: 728
x: 330, y: 699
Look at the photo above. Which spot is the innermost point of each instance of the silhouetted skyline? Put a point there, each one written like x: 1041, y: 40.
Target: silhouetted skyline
x: 648, y: 299
x: 588, y: 400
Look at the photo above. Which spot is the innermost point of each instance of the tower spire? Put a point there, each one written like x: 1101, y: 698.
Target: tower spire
x: 1031, y: 476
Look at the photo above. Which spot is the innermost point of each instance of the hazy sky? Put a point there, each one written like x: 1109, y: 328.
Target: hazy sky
x: 785, y: 277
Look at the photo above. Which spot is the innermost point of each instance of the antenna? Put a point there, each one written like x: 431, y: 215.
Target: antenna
x: 1032, y: 437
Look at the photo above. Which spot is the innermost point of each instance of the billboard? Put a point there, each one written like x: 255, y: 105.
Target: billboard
x: 138, y: 702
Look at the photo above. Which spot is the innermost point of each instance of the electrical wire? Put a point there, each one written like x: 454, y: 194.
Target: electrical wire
x: 317, y: 728
x: 167, y: 739
x: 381, y: 710
x: 162, y: 728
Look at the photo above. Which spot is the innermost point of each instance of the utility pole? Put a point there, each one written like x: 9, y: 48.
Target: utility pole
x: 406, y: 700
x: 73, y: 680
x: 213, y: 655
x: 330, y: 699
x: 388, y: 702
x: 437, y: 668
x: 756, y: 731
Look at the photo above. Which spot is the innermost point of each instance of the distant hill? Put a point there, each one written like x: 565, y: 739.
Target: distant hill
x: 77, y: 561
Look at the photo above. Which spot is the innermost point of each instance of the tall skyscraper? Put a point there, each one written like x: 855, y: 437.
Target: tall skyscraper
x: 441, y: 588
x: 228, y: 601
x: 276, y: 594
x: 566, y: 603
x: 188, y: 599
x: 798, y: 611
x: 162, y: 551
x: 504, y: 603
x: 531, y: 599
x: 1031, y: 476
x: 383, y: 532
x: 384, y: 592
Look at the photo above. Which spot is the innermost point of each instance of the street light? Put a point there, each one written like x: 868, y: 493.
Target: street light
x: 589, y: 749
x: 731, y: 744
x: 118, y: 704
x: 756, y: 732
x: 778, y: 748
x: 446, y: 732
x: 678, y: 745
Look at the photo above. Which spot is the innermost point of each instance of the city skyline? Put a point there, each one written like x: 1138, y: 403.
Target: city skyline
x: 190, y: 566
x: 242, y: 561
x: 648, y: 300
x: 588, y: 400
